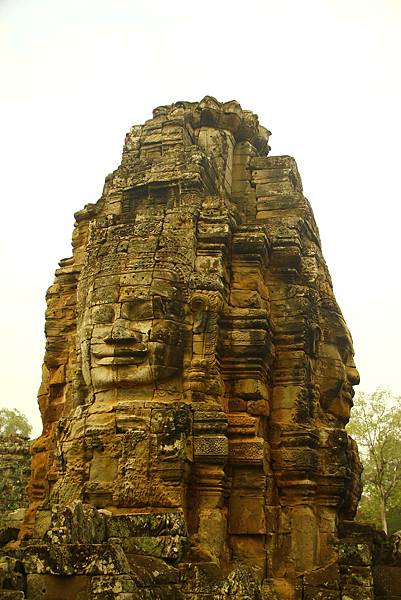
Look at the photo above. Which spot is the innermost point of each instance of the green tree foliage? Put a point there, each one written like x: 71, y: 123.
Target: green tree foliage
x: 14, y: 422
x: 376, y: 426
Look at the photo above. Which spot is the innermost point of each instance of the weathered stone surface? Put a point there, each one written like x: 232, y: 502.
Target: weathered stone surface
x: 146, y: 524
x: 11, y: 578
x: 51, y: 587
x: 76, y: 559
x: 197, y: 379
x: 14, y: 471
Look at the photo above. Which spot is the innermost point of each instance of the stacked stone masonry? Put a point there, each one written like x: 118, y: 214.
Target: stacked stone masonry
x: 197, y: 380
x: 14, y: 471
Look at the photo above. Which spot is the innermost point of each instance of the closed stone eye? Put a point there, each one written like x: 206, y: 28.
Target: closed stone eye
x: 103, y: 314
x: 167, y: 333
x: 137, y: 310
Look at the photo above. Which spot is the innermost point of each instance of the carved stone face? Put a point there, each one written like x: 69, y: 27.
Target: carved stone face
x: 336, y: 371
x: 135, y: 342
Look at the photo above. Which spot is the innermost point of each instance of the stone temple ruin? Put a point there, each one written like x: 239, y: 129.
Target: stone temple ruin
x: 197, y: 379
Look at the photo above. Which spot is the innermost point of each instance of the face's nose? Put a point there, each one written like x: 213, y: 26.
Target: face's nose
x: 122, y: 333
x: 352, y: 373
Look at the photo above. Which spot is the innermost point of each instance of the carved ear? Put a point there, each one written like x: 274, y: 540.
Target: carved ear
x: 200, y: 308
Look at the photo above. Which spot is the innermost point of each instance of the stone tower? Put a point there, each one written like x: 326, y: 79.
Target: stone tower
x: 197, y: 379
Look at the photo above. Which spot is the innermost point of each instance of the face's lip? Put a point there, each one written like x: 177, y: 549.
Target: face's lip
x: 348, y: 393
x: 121, y: 356
x: 117, y: 351
x: 120, y: 360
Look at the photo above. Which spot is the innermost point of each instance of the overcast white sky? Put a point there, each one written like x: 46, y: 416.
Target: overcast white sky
x: 324, y: 76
